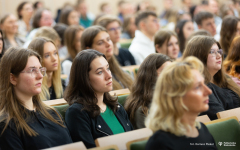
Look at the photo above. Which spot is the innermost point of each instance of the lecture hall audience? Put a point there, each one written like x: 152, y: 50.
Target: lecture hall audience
x: 123, y: 49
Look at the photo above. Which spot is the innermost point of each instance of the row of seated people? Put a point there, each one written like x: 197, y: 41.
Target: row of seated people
x: 26, y: 121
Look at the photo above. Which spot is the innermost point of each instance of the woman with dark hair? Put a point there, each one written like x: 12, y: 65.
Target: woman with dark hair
x: 232, y: 63
x: 184, y: 29
x: 97, y: 37
x: 230, y: 29
x: 138, y: 102
x: 166, y: 42
x: 24, y: 11
x: 225, y: 91
x: 72, y: 40
x: 1, y: 44
x: 25, y: 121
x: 69, y: 16
x: 129, y: 27
x: 9, y: 26
x: 93, y: 112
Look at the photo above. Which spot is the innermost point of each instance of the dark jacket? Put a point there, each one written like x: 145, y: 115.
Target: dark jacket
x: 84, y: 128
x: 221, y: 99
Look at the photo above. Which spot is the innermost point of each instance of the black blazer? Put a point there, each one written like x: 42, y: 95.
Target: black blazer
x: 84, y: 128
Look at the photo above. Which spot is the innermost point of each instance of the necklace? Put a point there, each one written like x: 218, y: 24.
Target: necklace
x: 102, y: 111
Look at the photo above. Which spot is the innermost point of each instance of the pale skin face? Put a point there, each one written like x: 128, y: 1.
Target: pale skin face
x: 196, y: 99
x: 46, y: 19
x: 169, y: 48
x: 150, y: 25
x: 50, y: 57
x: 214, y: 63
x: 78, y: 40
x: 159, y: 70
x: 103, y: 44
x: 27, y: 84
x: 10, y: 25
x: 114, y: 31
x: 73, y: 18
x: 100, y: 76
x: 188, y: 29
x: 27, y: 11
x: 209, y: 25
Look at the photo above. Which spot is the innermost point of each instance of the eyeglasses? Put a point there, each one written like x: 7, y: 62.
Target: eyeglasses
x: 213, y: 52
x: 115, y: 29
x: 35, y: 71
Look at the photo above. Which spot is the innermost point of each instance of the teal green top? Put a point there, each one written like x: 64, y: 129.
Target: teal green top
x: 112, y: 121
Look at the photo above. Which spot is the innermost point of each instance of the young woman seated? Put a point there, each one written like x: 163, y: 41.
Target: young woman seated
x: 97, y: 38
x: 93, y: 113
x: 166, y: 42
x: 180, y: 95
x: 225, y: 91
x: 138, y: 102
x: 53, y: 85
x: 25, y: 121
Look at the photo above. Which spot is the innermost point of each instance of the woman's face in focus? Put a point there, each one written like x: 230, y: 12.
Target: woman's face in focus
x: 196, y: 99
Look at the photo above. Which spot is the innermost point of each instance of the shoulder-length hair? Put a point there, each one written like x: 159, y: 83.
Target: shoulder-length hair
x: 65, y: 14
x: 179, y: 31
x: 143, y: 86
x: 228, y: 32
x: 37, y: 45
x: 79, y: 89
x: 163, y: 36
x: 86, y: 42
x: 232, y: 62
x: 200, y: 46
x: 70, y: 39
x: 11, y: 107
x: 167, y: 107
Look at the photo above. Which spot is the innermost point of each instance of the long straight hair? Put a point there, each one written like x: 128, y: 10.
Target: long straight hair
x: 86, y: 42
x: 11, y: 107
x: 200, y: 46
x: 143, y: 86
x: 37, y: 45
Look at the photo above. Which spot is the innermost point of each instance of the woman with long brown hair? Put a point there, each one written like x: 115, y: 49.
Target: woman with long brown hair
x: 138, y: 102
x: 225, y: 91
x: 230, y: 28
x: 232, y: 63
x: 53, y: 86
x: 93, y: 112
x: 25, y: 121
x: 96, y: 37
x: 72, y: 37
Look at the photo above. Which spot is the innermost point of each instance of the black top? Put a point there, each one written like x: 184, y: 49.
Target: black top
x: 49, y: 134
x: 162, y: 140
x: 52, y: 92
x: 84, y: 128
x: 125, y: 58
x: 221, y: 99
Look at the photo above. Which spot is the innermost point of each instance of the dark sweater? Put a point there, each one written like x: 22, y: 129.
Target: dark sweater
x: 221, y: 99
x: 52, y: 92
x: 49, y: 134
x: 125, y: 58
x: 162, y: 140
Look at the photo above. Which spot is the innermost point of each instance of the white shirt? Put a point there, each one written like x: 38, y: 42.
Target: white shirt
x: 141, y: 47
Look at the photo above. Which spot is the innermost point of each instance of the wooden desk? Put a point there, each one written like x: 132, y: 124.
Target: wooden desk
x: 119, y: 92
x: 56, y: 102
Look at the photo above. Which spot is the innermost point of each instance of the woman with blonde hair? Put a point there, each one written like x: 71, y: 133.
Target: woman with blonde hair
x: 53, y: 86
x: 97, y: 38
x: 174, y: 109
x: 232, y: 63
x: 25, y: 121
x: 166, y: 42
x: 225, y: 91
